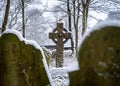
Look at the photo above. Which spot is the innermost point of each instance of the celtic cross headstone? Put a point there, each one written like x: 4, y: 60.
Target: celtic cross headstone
x: 60, y: 36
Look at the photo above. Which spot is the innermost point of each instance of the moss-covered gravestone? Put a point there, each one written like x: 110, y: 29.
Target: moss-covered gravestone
x: 20, y: 64
x: 99, y: 58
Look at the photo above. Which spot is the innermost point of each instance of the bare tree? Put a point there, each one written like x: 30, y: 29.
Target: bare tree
x: 6, y: 16
x: 78, y: 14
x: 23, y: 24
x: 15, y: 14
x: 69, y: 23
x: 85, y: 9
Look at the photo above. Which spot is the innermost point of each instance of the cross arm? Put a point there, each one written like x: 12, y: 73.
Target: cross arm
x: 53, y: 35
x: 67, y: 35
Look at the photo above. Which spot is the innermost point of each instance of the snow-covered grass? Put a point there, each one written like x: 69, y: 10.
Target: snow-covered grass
x: 70, y: 61
x: 60, y: 76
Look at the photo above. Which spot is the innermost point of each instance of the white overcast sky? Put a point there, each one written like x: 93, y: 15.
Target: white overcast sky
x: 50, y: 3
x: 99, y: 16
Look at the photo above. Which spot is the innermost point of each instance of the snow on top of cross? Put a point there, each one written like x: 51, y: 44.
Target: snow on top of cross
x: 99, y: 26
x: 33, y: 43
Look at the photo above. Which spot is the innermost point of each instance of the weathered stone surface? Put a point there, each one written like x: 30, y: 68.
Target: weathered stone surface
x: 99, y: 59
x: 60, y: 36
x: 20, y: 64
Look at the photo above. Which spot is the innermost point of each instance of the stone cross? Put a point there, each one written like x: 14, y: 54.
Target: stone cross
x: 60, y: 36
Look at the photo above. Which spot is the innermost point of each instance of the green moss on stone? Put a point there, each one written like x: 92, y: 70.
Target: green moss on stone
x: 20, y: 64
x: 99, y: 59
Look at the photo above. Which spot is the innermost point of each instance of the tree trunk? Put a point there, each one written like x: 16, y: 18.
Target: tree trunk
x: 23, y: 24
x: 76, y: 17
x: 69, y: 23
x: 83, y: 21
x: 74, y: 20
x: 85, y: 6
x: 76, y: 41
x: 6, y: 16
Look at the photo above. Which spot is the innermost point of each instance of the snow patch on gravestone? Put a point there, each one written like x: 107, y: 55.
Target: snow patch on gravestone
x: 60, y: 76
x: 33, y: 43
x: 100, y: 26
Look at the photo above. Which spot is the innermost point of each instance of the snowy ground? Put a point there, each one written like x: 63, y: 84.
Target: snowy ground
x: 60, y: 76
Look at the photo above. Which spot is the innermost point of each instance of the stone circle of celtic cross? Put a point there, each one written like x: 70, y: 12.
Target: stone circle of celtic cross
x: 60, y: 36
